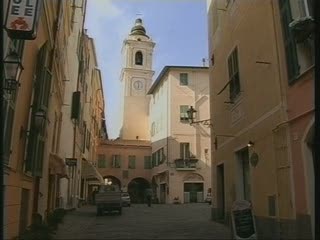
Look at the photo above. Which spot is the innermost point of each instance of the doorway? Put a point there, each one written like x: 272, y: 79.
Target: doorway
x: 24, y: 209
x: 137, y: 188
x: 220, y: 191
x: 193, y: 192
x: 163, y: 196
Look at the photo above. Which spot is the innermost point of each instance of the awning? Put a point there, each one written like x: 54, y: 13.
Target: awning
x: 57, y: 166
x: 90, y: 171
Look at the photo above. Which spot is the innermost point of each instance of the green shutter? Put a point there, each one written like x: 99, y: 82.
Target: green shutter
x: 293, y: 67
x: 132, y: 162
x: 75, y: 108
x: 36, y: 140
x: 147, y: 162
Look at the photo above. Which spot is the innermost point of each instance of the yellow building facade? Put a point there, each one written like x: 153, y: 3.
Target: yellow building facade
x: 263, y: 112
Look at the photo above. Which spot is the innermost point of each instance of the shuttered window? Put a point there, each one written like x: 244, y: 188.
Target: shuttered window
x: 116, y: 161
x: 234, y: 77
x: 132, y: 162
x: 36, y: 141
x: 184, y: 150
x: 102, y: 161
x: 147, y: 162
x: 289, y: 41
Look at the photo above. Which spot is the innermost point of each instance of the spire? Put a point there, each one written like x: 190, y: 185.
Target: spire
x: 138, y: 28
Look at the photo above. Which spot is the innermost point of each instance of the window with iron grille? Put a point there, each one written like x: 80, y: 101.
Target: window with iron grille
x: 234, y: 77
x: 184, y: 79
x: 132, y: 162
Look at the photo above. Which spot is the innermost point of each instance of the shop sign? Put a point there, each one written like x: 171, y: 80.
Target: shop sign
x: 243, y: 222
x: 71, y: 162
x: 22, y: 18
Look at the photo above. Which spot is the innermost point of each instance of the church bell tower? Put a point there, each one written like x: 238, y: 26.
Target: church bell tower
x: 136, y: 79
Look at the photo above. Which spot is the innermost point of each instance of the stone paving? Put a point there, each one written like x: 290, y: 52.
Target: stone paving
x: 185, y: 221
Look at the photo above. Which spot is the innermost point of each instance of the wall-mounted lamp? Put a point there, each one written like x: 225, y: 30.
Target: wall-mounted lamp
x: 38, y: 123
x: 191, y: 116
x: 12, y: 69
x: 250, y: 144
x: 39, y: 119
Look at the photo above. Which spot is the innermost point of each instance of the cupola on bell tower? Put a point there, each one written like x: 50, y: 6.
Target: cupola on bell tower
x: 136, y: 79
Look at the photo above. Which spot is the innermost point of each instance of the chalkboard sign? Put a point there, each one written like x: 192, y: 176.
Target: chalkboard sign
x: 243, y: 221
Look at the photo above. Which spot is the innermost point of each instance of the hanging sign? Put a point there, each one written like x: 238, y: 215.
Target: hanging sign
x: 243, y: 221
x: 22, y: 19
x: 71, y: 162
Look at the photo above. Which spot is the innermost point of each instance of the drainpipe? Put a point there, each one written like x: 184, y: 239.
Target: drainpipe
x: 2, y: 128
x: 316, y: 160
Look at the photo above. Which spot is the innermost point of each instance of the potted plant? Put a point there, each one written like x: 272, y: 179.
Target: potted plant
x: 176, y: 200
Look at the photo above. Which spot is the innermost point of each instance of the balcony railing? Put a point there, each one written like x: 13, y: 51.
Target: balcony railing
x: 186, y: 164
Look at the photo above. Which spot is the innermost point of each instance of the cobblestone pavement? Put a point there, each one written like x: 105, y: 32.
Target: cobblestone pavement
x: 185, y: 221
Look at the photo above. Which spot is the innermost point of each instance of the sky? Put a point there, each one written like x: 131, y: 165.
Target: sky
x: 178, y: 27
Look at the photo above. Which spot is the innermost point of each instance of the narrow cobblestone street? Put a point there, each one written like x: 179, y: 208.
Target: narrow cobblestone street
x: 186, y: 221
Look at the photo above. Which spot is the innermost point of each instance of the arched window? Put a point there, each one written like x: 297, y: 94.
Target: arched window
x: 139, y: 58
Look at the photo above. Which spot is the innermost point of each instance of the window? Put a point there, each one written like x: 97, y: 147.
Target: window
x: 234, y: 78
x: 116, y: 161
x: 289, y: 42
x: 184, y: 150
x: 84, y: 137
x: 184, y: 79
x: 36, y: 140
x: 184, y: 113
x: 139, y: 58
x: 305, y: 7
x: 102, y: 161
x: 153, y: 129
x: 88, y: 139
x: 154, y: 160
x: 147, y: 162
x: 132, y: 162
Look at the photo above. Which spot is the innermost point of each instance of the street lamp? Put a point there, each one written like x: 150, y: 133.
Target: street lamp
x: 39, y: 118
x: 191, y: 116
x: 12, y: 69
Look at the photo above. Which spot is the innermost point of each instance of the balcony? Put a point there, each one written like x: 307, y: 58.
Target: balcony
x: 189, y: 164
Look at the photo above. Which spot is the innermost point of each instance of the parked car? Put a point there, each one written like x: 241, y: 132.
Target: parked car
x: 126, y: 201
x: 108, y: 199
x: 208, y: 198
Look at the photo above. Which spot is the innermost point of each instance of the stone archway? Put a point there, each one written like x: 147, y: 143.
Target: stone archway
x: 193, y: 188
x: 115, y: 181
x: 137, y: 188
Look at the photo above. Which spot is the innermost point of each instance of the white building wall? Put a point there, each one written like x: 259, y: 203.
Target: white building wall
x: 67, y: 126
x: 165, y: 103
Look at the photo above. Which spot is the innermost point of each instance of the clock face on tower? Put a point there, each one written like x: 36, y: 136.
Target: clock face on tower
x: 138, y: 85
